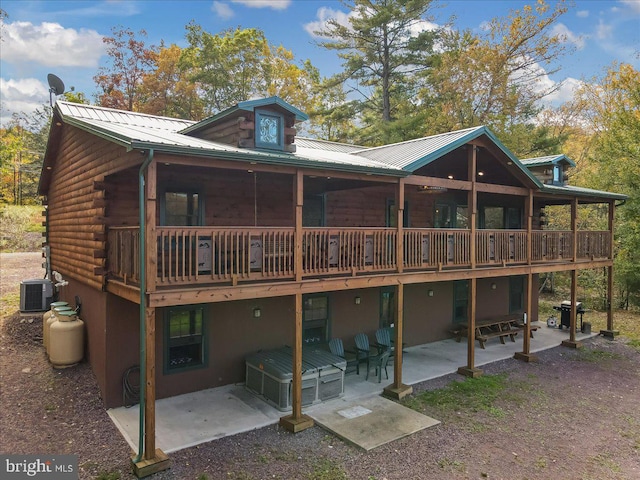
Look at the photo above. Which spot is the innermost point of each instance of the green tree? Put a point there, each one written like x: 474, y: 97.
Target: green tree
x: 386, y: 44
x: 240, y: 64
x: 497, y: 78
x: 612, y: 107
x: 226, y: 68
x: 129, y: 61
x: 23, y: 143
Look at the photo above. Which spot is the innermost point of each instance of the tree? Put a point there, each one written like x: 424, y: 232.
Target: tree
x: 227, y: 68
x: 76, y: 97
x: 497, y: 78
x: 129, y: 61
x: 240, y: 64
x: 612, y: 108
x: 386, y: 44
x: 167, y: 89
x: 23, y: 145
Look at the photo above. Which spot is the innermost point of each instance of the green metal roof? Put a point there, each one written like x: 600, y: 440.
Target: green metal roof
x: 165, y: 135
x: 140, y: 131
x: 574, y: 191
x: 414, y: 154
x: 248, y: 106
x: 547, y: 160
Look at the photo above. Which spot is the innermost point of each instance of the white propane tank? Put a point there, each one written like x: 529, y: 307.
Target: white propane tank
x: 57, y: 311
x: 66, y: 340
x: 45, y: 327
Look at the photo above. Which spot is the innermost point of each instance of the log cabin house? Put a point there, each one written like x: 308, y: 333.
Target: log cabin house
x: 199, y: 243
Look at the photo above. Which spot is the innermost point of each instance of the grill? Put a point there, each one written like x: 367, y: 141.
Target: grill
x: 270, y: 374
x: 565, y: 313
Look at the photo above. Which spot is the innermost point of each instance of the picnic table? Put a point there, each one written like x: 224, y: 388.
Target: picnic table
x: 501, y: 327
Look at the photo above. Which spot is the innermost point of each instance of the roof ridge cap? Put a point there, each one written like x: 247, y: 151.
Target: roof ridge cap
x: 422, y: 138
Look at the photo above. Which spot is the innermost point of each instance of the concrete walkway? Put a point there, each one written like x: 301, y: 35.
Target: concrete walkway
x: 190, y: 419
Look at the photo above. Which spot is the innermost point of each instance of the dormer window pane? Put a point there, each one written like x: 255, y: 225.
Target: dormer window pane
x: 269, y: 130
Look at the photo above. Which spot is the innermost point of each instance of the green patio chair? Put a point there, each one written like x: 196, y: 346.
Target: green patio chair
x: 337, y: 348
x: 364, y: 354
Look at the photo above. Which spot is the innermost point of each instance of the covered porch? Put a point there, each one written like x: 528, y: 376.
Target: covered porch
x: 187, y: 420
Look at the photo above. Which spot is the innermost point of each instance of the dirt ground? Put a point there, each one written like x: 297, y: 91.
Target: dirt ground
x: 574, y: 414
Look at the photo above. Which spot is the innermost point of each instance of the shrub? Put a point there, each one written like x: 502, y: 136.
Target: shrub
x: 20, y: 228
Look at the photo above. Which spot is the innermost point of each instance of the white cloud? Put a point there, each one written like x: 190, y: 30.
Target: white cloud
x: 51, y: 44
x: 24, y: 95
x: 323, y: 16
x: 563, y: 31
x: 565, y: 92
x: 222, y: 10
x: 582, y: 13
x: 632, y: 4
x: 603, y: 30
x: 273, y: 4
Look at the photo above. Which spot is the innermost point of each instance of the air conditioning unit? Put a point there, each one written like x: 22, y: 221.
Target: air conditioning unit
x: 36, y: 295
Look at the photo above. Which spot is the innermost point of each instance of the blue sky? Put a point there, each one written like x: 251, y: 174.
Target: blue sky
x: 65, y: 37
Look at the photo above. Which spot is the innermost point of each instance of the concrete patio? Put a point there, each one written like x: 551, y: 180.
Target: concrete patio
x: 199, y: 417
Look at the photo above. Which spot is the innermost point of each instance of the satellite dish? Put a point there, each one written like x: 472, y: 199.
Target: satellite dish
x: 56, y: 87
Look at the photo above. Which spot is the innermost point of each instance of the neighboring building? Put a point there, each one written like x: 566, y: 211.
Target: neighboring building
x: 253, y: 238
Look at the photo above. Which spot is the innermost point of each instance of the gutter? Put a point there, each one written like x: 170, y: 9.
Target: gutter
x: 143, y: 327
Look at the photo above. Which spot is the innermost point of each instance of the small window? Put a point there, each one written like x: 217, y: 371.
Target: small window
x: 313, y: 211
x: 181, y: 209
x: 450, y: 215
x: 460, y: 301
x: 392, y: 214
x: 315, y: 319
x: 516, y: 294
x: 185, y: 339
x: 557, y: 174
x: 269, y: 130
x: 387, y: 307
x: 493, y: 218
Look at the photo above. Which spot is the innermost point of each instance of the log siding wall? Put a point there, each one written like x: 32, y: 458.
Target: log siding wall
x: 76, y: 209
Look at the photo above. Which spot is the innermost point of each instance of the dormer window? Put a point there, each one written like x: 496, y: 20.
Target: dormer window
x: 557, y: 175
x: 269, y: 130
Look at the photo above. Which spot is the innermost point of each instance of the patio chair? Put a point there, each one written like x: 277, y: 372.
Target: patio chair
x: 382, y: 361
x: 337, y: 348
x: 364, y: 354
x: 386, y: 339
x: 383, y: 337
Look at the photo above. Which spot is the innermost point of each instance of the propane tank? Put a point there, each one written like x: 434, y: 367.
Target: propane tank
x: 66, y: 340
x: 47, y: 315
x: 57, y: 312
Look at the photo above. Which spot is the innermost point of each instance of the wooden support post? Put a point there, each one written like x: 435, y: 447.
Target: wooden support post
x: 398, y: 390
x: 154, y: 459
x: 528, y: 212
x: 151, y: 245
x: 572, y: 342
x: 150, y: 386
x: 472, y: 201
x: 470, y: 370
x: 400, y: 226
x: 297, y: 422
x: 610, y: 332
x: 298, y: 201
x: 574, y: 228
x: 526, y: 354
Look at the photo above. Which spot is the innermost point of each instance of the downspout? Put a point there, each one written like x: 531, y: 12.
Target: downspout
x: 143, y: 288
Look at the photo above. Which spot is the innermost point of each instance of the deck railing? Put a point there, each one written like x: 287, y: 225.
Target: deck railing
x: 429, y: 248
x: 203, y: 255
x: 348, y: 250
x: 123, y: 255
